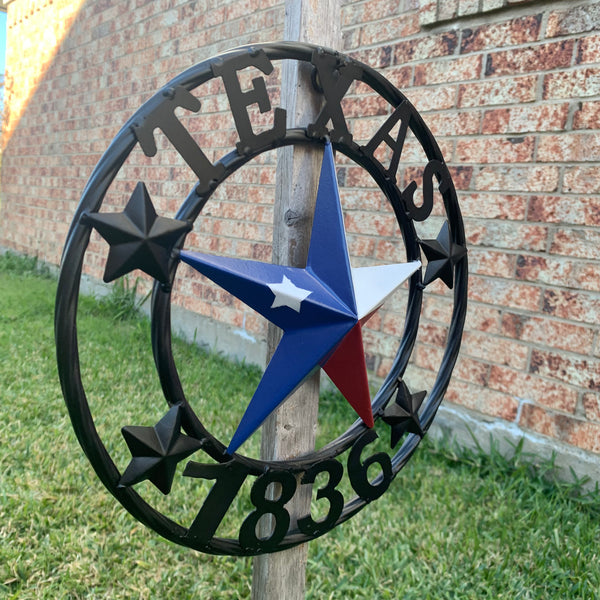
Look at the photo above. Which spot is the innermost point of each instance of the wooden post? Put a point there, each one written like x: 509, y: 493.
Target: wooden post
x: 291, y: 430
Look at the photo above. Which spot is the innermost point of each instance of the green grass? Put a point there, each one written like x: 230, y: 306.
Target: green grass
x: 455, y: 524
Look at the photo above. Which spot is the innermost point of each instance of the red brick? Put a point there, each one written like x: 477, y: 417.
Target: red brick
x: 525, y: 119
x: 573, y: 431
x: 487, y: 5
x: 539, y: 420
x: 368, y: 223
x: 428, y: 12
x: 375, y: 322
x: 390, y: 251
x: 443, y: 71
x: 371, y: 10
x: 588, y: 115
x: 584, y: 180
x: 564, y: 209
x: 362, y: 199
x: 584, y: 373
x: 585, y: 277
x: 522, y: 30
x: 481, y: 318
x: 484, y: 400
x: 500, y: 292
x: 255, y: 324
x: 569, y: 147
x: 361, y: 246
x: 579, y: 433
x: 548, y: 332
x: 495, y: 350
x: 462, y: 177
x: 437, y: 309
x: 591, y: 406
x: 365, y: 128
x: 494, y: 206
x: 378, y: 343
x: 534, y: 265
x: 426, y: 48
x: 533, y: 58
x: 491, y: 263
x: 472, y: 371
x: 502, y: 91
x: 588, y: 49
x: 429, y: 333
x: 356, y: 177
x: 505, y: 234
x: 495, y: 150
x: 580, y: 243
x: 533, y: 389
x: 577, y: 306
x: 454, y: 122
x: 350, y: 38
x: 544, y: 269
x: 518, y: 179
x: 377, y: 58
x: 572, y: 83
x: 435, y: 98
x: 361, y: 106
x: 401, y: 77
x: 468, y: 7
x: 579, y: 19
x: 390, y: 29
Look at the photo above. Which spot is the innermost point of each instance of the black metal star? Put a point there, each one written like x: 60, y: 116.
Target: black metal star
x: 138, y: 237
x: 157, y: 450
x: 403, y: 415
x: 442, y: 254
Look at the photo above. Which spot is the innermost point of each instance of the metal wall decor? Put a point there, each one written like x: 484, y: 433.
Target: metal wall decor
x: 326, y: 303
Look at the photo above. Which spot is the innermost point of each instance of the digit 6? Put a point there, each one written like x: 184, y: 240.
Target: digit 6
x: 358, y: 471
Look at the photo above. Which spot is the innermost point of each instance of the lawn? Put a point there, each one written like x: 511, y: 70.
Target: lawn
x: 454, y: 524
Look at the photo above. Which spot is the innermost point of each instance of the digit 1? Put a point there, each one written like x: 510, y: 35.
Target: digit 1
x: 229, y: 478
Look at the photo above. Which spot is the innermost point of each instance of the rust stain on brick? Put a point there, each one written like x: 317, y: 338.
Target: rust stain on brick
x: 512, y: 324
x: 489, y: 66
x: 528, y: 267
x: 386, y: 56
x: 461, y: 176
x: 449, y: 42
x: 549, y: 302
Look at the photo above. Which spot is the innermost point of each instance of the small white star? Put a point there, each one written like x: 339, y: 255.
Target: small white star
x: 288, y: 294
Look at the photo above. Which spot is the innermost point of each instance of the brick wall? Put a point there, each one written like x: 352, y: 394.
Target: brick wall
x: 511, y: 90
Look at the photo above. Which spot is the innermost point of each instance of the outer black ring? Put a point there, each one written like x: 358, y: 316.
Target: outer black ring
x: 68, y: 293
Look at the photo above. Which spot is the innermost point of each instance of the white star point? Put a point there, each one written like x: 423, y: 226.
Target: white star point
x: 372, y: 285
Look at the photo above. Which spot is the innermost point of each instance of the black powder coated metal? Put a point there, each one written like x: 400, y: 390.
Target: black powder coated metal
x: 139, y: 238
